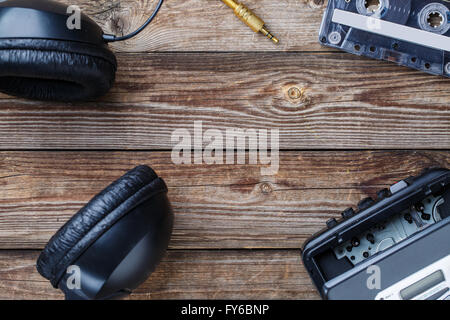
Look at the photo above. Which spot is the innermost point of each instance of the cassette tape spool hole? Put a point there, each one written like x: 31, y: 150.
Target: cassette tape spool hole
x: 371, y: 7
x: 434, y: 18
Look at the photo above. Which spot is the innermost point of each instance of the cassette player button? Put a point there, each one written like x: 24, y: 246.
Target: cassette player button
x: 331, y: 223
x: 398, y: 186
x: 439, y: 294
x: 348, y: 213
x: 365, y: 203
x: 383, y: 194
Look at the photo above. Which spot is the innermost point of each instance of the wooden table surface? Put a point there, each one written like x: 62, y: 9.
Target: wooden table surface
x: 360, y: 125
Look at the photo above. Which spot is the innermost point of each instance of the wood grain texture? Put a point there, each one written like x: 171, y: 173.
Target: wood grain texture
x: 237, y: 233
x: 266, y: 274
x: 347, y: 103
x: 208, y: 25
x: 217, y: 206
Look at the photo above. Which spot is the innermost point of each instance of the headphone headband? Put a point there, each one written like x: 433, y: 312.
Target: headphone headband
x: 27, y: 17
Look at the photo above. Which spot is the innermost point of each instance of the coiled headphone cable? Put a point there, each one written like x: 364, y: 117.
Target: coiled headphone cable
x: 113, y: 38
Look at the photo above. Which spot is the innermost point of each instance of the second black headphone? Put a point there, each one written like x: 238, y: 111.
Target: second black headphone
x: 112, y: 244
x: 42, y: 58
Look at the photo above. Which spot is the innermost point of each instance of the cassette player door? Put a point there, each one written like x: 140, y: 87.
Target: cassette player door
x: 418, y: 268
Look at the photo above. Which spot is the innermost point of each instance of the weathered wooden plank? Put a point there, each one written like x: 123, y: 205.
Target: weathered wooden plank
x: 192, y: 25
x: 347, y: 103
x: 216, y: 206
x: 267, y: 274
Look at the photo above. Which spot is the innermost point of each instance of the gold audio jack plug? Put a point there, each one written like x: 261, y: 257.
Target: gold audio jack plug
x: 249, y: 18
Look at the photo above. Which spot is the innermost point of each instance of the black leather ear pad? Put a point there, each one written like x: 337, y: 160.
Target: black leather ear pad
x: 55, y: 70
x: 93, y: 220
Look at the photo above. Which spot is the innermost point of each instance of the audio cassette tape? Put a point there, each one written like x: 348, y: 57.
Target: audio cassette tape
x: 412, y: 33
x: 396, y: 246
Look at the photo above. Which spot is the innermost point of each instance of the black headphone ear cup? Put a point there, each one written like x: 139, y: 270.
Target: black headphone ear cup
x: 55, y: 70
x: 94, y: 219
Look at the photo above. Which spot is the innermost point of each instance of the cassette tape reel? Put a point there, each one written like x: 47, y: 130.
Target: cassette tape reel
x: 412, y: 33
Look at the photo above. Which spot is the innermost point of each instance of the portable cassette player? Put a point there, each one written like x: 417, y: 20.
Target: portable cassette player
x: 394, y: 247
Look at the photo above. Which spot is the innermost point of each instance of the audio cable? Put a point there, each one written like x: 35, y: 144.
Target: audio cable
x: 113, y: 38
x: 250, y: 19
x: 241, y: 11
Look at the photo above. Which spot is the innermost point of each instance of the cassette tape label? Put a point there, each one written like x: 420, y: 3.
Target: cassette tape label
x: 413, y: 33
